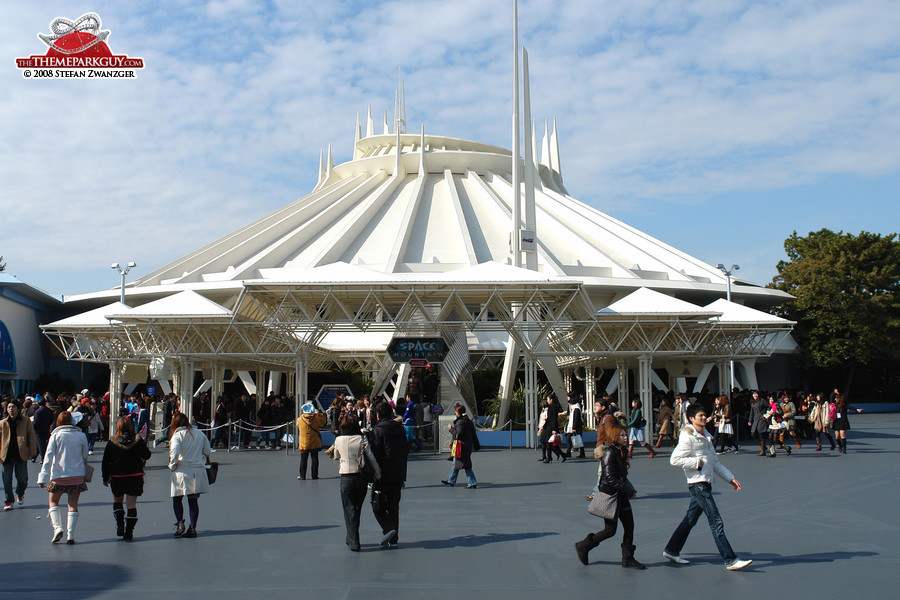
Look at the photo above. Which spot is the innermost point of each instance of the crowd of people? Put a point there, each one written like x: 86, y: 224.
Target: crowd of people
x: 373, y: 439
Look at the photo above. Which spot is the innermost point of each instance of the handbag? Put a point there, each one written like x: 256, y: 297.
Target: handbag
x: 577, y: 442
x: 605, y: 506
x: 212, y: 471
x: 456, y: 449
x: 366, y: 468
x: 88, y: 473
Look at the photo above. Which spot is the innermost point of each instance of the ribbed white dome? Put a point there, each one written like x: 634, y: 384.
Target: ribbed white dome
x: 444, y: 204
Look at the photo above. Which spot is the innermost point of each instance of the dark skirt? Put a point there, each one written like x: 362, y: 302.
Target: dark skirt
x: 841, y: 424
x: 133, y: 485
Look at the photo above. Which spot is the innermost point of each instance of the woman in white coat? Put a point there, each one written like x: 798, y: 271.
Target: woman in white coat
x: 188, y: 451
x: 63, y: 473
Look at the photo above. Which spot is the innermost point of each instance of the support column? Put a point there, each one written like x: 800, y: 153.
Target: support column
x: 115, y: 390
x: 724, y: 377
x: 645, y: 390
x: 531, y: 401
x: 750, y: 380
x: 508, y: 378
x: 590, y: 395
x: 216, y: 389
x: 187, y: 389
x: 624, y: 393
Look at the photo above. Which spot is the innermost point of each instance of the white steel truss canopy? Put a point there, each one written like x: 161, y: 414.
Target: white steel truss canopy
x: 275, y: 324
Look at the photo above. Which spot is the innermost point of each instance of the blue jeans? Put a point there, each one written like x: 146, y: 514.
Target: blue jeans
x: 20, y: 468
x: 454, y: 473
x: 701, y: 502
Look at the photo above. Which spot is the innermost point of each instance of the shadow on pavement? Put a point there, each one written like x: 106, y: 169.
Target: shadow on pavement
x: 71, y: 579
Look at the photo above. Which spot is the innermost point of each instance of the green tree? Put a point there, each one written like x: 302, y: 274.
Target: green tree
x: 847, y: 306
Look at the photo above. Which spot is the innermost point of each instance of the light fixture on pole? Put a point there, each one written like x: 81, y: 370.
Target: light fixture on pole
x: 728, y: 273
x: 123, y: 273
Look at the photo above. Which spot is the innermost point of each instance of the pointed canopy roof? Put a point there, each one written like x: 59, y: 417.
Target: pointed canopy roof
x: 93, y: 318
x: 645, y: 301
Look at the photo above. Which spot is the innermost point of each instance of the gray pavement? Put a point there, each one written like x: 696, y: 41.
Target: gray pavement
x: 816, y: 525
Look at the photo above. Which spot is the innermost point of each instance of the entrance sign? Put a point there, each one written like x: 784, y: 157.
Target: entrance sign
x: 408, y: 349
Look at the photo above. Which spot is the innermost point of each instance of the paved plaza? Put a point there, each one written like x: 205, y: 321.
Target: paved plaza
x: 816, y: 525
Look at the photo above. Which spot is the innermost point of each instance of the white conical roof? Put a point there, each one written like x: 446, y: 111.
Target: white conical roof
x: 441, y: 208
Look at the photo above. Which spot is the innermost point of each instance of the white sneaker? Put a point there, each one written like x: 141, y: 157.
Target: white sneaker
x: 738, y: 563
x: 676, y: 559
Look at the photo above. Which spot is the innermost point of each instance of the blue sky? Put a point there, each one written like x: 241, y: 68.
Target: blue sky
x: 718, y: 127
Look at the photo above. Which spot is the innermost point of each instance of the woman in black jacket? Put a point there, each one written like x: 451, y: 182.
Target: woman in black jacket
x: 123, y: 473
x: 614, y: 482
x: 464, y: 437
x: 549, y: 427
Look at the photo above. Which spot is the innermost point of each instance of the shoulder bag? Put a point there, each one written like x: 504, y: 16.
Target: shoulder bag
x: 212, y: 471
x: 366, y: 469
x: 605, y: 506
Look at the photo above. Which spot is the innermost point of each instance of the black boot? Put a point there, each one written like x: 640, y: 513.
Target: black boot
x: 179, y: 529
x: 628, y: 560
x: 191, y: 531
x: 583, y: 547
x: 130, y: 521
x: 119, y: 512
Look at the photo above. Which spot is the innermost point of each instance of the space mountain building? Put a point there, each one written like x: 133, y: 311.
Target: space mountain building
x: 412, y: 239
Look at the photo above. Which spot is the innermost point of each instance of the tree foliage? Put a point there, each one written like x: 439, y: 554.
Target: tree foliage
x: 847, y: 290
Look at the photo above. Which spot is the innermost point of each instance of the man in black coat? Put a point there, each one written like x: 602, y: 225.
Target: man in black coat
x: 43, y: 423
x: 389, y: 445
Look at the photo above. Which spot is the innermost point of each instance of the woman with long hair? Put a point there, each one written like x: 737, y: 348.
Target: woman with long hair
x: 188, y: 452
x: 63, y: 473
x: 348, y: 449
x: 821, y: 414
x: 774, y: 418
x: 636, y: 429
x: 724, y: 424
x: 123, y: 472
x: 665, y: 422
x: 549, y: 426
x: 614, y: 482
x: 463, y: 432
x: 840, y: 421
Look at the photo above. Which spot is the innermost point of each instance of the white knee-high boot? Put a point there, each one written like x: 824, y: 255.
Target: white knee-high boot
x: 70, y: 529
x: 55, y: 521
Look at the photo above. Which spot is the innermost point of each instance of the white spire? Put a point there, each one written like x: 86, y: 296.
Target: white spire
x: 330, y: 164
x: 356, y: 136
x: 387, y: 128
x: 554, y: 151
x: 545, y: 147
x: 370, y: 125
x: 321, y: 169
x: 422, y: 170
x: 534, y: 151
x: 402, y: 107
x: 531, y: 262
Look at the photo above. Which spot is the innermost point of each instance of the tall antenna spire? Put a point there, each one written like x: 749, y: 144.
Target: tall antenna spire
x: 530, y: 215
x: 516, y: 200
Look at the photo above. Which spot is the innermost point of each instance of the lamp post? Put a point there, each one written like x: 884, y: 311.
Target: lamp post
x: 728, y: 273
x: 123, y: 273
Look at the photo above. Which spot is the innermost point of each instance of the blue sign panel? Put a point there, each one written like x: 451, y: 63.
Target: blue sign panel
x: 406, y: 349
x: 7, y: 353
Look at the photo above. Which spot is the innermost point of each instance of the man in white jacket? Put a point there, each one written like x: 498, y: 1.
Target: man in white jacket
x: 696, y: 454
